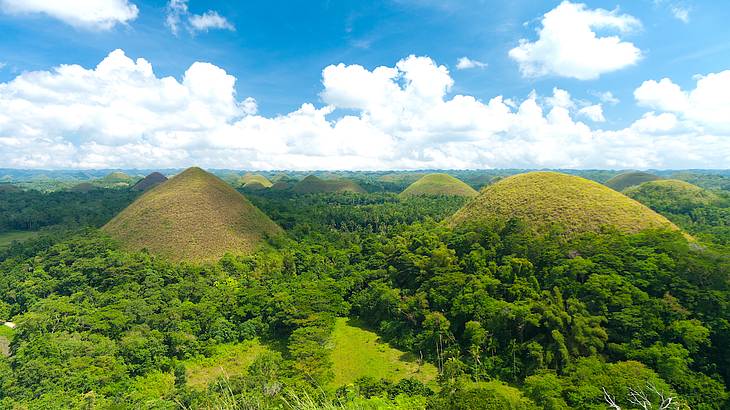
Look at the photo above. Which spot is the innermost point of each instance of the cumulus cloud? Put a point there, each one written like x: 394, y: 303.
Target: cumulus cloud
x: 680, y: 13
x: 607, y: 97
x: 98, y: 14
x: 568, y: 45
x: 465, y: 63
x: 121, y: 114
x: 178, y: 15
x: 593, y: 112
x: 707, y: 105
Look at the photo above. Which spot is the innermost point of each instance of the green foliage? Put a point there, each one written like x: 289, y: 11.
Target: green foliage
x: 314, y: 185
x: 439, y: 184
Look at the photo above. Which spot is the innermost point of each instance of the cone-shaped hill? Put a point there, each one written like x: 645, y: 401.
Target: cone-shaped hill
x: 194, y: 216
x: 629, y: 179
x: 83, y: 187
x: 544, y: 199
x: 672, y: 195
x: 149, y: 182
x: 313, y: 185
x: 439, y: 184
x: 255, y: 182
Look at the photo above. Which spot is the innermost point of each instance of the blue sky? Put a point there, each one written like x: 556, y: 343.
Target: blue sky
x: 276, y: 52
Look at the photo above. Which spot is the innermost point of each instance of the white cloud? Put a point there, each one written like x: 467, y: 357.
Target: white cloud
x: 707, y: 105
x: 465, y: 63
x: 210, y: 20
x: 179, y: 15
x: 607, y: 97
x: 593, y: 112
x: 121, y: 114
x: 680, y: 13
x: 568, y: 45
x: 3, y: 65
x: 96, y: 14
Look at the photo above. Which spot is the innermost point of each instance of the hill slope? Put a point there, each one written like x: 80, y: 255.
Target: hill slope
x: 194, y: 216
x: 439, y: 184
x: 672, y: 195
x: 149, y: 182
x: 543, y: 199
x: 628, y: 179
x: 255, y: 181
x: 313, y: 185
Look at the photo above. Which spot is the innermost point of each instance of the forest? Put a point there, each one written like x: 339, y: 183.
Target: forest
x: 508, y: 317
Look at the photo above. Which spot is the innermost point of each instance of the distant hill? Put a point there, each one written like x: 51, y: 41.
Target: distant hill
x: 83, y: 187
x: 439, y: 184
x: 117, y: 177
x: 313, y: 184
x: 628, y: 179
x: 9, y: 188
x: 194, y: 216
x: 672, y: 195
x: 255, y: 182
x: 543, y: 199
x: 149, y: 182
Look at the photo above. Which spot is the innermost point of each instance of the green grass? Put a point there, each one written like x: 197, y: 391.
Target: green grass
x: 672, y: 195
x: 314, y: 185
x: 439, y: 184
x: 6, y: 336
x: 227, y: 360
x: 544, y: 199
x: 628, y: 179
x: 194, y: 216
x: 358, y: 352
x: 7, y: 238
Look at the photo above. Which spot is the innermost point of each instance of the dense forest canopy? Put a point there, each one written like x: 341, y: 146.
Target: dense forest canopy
x: 507, y: 317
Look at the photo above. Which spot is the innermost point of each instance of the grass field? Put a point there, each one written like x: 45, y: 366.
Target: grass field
x: 7, y: 238
x: 358, y: 352
x: 228, y: 360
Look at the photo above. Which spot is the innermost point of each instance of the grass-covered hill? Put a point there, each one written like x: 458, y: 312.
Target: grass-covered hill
x: 4, y: 187
x: 314, y: 185
x: 255, y: 181
x: 672, y: 195
x: 149, y: 182
x: 83, y: 187
x: 194, y: 216
x: 629, y: 179
x: 543, y: 199
x: 439, y: 184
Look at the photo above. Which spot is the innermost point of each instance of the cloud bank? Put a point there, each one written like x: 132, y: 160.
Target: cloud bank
x: 121, y: 114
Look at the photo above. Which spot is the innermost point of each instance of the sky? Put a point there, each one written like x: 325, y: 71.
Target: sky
x: 347, y: 84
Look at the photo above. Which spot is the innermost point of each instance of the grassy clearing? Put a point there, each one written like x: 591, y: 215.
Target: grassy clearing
x: 7, y: 238
x: 228, y: 359
x: 194, y: 216
x: 544, y: 199
x: 359, y: 352
x: 439, y: 184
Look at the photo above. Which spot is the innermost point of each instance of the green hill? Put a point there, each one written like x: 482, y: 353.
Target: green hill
x: 628, y: 179
x: 194, y: 216
x: 149, y: 182
x: 439, y: 184
x: 672, y: 195
x: 9, y: 188
x: 543, y: 199
x: 255, y: 181
x: 313, y: 185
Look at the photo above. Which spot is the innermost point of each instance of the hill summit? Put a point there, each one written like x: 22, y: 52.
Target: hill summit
x: 672, y: 195
x: 543, y: 199
x: 255, y: 182
x: 629, y: 179
x: 312, y: 185
x: 194, y: 216
x: 439, y: 184
x: 149, y: 182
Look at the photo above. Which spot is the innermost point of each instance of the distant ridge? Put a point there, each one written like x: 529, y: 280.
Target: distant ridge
x: 544, y: 199
x: 672, y: 195
x: 629, y: 179
x: 313, y: 184
x: 439, y: 184
x: 149, y: 182
x: 83, y: 187
x: 194, y: 216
